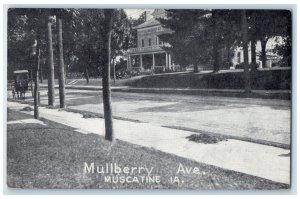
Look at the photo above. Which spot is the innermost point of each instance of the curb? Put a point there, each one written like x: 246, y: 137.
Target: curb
x: 283, y: 95
x: 204, y: 92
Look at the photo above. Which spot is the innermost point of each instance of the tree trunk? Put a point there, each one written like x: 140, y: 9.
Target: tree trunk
x: 61, y: 67
x: 89, y: 63
x: 51, y: 84
x: 228, y: 54
x: 66, y: 72
x: 114, y: 67
x: 253, y: 41
x: 245, y: 50
x: 263, y: 52
x: 196, y: 70
x: 216, y: 64
x: 31, y: 75
x: 253, y: 55
x: 109, y: 134
x: 36, y: 94
x: 41, y: 74
x: 87, y: 77
x: 37, y: 86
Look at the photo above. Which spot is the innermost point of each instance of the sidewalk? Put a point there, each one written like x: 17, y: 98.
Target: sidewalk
x: 255, y: 159
x: 264, y: 94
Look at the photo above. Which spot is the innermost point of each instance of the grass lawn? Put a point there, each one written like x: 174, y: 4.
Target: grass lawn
x: 53, y: 156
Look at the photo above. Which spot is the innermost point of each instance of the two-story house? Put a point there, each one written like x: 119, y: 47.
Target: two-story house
x: 149, y: 54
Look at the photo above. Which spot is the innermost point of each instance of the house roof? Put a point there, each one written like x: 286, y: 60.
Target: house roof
x: 158, y: 12
x: 150, y: 22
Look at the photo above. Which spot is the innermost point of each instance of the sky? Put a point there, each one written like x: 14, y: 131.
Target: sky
x: 135, y: 13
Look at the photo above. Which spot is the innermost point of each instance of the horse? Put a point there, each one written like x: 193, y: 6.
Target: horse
x: 20, y: 89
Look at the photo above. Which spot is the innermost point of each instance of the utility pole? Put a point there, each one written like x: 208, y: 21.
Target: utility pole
x: 51, y: 83
x: 61, y: 78
x: 109, y: 133
x: 36, y: 100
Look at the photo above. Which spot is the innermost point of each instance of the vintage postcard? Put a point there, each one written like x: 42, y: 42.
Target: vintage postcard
x: 185, y: 99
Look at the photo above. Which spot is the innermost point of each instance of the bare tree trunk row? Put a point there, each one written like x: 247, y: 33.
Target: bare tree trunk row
x: 51, y: 83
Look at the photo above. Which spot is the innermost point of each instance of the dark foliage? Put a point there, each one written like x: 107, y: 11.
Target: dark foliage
x: 263, y: 80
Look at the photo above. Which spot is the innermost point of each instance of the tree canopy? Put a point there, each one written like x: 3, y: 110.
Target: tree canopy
x: 198, y: 36
x: 83, y: 37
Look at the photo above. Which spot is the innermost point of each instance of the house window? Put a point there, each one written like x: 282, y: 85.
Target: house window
x: 143, y: 44
x: 149, y: 42
x: 239, y: 57
x: 157, y: 40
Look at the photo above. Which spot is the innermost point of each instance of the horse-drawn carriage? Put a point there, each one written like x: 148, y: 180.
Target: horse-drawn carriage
x: 21, y: 84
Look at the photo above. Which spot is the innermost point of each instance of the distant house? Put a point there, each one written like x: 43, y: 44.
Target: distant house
x: 149, y: 54
x: 272, y: 58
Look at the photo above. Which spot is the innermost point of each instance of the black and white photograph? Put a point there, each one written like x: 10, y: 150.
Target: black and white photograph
x: 149, y: 98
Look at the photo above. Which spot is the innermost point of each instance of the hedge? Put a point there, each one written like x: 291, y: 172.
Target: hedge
x: 261, y: 80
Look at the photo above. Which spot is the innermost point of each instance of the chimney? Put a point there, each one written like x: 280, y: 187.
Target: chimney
x: 148, y: 15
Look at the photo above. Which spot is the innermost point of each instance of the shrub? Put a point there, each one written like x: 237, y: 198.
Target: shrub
x: 159, y: 70
x: 241, y: 65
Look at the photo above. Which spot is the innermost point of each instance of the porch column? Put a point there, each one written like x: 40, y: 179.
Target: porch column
x: 141, y: 62
x: 167, y: 66
x: 129, y: 61
x: 153, y: 62
x: 170, y: 61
